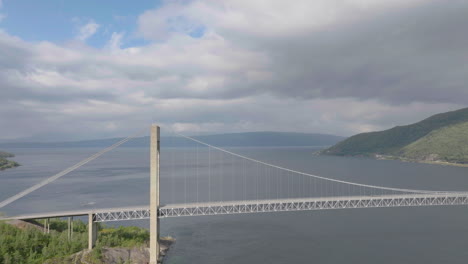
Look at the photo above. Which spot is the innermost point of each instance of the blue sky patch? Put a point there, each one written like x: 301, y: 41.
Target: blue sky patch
x: 59, y: 20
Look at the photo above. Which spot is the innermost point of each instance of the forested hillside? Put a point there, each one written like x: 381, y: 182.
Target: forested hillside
x: 441, y: 137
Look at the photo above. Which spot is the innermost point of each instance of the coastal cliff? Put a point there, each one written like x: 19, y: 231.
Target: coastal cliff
x: 114, y: 255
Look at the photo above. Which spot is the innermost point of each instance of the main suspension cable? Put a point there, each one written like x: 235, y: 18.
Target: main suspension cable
x: 308, y: 174
x: 65, y: 172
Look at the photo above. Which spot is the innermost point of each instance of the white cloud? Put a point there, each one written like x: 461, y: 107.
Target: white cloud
x: 260, y: 65
x: 115, y: 42
x: 173, y: 17
x: 88, y: 30
x: 267, y: 18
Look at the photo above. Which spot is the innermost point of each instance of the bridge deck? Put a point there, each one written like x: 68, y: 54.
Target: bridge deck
x: 83, y: 212
x: 302, y: 204
x: 254, y: 206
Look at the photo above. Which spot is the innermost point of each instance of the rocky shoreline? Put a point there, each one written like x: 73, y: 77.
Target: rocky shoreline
x: 101, y: 255
x: 117, y: 255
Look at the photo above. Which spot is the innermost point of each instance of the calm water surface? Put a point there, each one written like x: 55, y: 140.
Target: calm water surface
x: 387, y: 235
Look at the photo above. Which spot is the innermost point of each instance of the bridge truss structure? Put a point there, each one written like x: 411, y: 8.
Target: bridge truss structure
x: 263, y: 206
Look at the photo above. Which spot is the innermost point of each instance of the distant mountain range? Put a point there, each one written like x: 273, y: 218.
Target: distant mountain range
x: 439, y: 138
x: 249, y: 139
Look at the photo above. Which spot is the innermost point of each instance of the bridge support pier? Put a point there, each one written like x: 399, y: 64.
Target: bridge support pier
x: 70, y: 228
x: 154, y: 195
x: 92, y: 231
x: 46, y: 226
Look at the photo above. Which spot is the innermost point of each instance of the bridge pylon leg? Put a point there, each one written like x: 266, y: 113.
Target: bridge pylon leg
x: 154, y: 195
x: 92, y: 231
x: 69, y: 229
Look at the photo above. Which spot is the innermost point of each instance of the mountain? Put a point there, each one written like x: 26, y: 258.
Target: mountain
x: 249, y: 139
x: 439, y: 138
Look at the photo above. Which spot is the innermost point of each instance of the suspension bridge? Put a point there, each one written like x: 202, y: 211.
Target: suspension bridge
x: 217, y: 181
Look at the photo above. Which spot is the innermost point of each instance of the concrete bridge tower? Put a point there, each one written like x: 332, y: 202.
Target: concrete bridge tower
x: 154, y: 194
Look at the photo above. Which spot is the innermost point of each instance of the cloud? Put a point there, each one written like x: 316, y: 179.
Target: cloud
x: 88, y: 30
x: 174, y: 17
x: 390, y: 50
x: 115, y: 41
x: 260, y: 18
x: 278, y: 18
x: 339, y: 67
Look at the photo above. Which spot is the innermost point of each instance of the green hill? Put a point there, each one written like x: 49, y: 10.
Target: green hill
x: 442, y: 137
x: 449, y: 144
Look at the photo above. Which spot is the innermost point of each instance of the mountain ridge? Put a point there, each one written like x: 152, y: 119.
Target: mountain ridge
x: 254, y: 139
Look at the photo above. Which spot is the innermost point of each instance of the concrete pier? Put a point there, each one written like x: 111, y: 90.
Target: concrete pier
x: 70, y: 228
x: 92, y: 231
x: 46, y: 226
x: 154, y: 195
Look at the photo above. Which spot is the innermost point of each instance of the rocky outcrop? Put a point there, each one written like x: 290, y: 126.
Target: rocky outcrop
x: 24, y: 224
x: 117, y: 255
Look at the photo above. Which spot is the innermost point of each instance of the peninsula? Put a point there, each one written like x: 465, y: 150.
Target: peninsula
x: 5, y: 163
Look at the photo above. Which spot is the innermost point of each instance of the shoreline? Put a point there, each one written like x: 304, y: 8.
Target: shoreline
x: 398, y: 158
x: 434, y: 162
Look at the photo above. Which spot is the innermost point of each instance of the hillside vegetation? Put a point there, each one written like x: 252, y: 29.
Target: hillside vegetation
x: 5, y: 163
x: 442, y: 137
x: 449, y: 144
x: 30, y: 245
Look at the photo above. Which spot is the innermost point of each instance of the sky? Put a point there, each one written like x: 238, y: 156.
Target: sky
x: 87, y: 69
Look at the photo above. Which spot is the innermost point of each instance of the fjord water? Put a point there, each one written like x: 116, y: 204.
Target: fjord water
x: 383, y: 235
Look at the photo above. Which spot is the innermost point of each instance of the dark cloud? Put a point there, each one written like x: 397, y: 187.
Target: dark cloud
x: 402, y: 56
